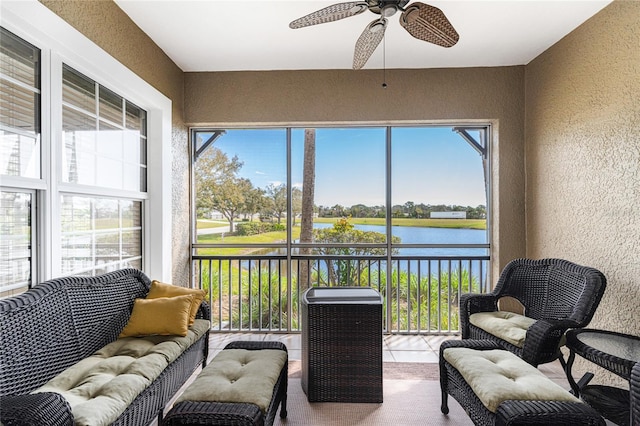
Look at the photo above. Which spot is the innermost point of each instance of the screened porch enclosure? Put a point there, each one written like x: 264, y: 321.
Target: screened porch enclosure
x: 399, y: 209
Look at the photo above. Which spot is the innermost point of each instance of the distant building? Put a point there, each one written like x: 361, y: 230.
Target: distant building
x: 448, y: 215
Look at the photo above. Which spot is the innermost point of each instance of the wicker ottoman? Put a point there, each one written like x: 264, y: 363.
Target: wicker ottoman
x: 495, y: 387
x: 207, y: 410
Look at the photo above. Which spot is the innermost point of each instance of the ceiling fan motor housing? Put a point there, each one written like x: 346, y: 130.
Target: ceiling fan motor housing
x: 377, y: 6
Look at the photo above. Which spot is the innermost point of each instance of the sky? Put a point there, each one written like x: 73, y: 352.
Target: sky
x: 430, y: 165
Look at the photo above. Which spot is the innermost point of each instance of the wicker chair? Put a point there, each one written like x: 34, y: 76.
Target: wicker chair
x: 556, y: 295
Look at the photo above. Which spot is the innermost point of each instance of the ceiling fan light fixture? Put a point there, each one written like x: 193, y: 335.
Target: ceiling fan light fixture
x: 389, y: 10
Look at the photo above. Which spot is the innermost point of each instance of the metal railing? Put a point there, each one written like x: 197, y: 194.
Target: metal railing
x: 254, y: 293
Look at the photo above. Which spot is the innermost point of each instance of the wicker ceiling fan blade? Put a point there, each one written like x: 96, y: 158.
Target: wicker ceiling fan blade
x: 368, y: 41
x: 428, y: 23
x: 330, y: 14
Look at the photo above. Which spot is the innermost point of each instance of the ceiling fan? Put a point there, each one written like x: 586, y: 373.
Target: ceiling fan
x: 422, y: 21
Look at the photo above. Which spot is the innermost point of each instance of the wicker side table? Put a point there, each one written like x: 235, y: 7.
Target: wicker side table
x: 342, y: 344
x: 615, y: 352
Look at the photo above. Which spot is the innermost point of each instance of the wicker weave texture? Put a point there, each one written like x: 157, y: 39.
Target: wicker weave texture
x: 559, y: 294
x: 47, y: 408
x: 620, y: 366
x: 634, y: 390
x: 342, y: 352
x: 234, y: 414
x: 58, y: 323
x: 510, y: 412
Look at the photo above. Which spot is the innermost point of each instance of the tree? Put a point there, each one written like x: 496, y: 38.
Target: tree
x: 254, y: 202
x: 409, y: 207
x: 337, y: 211
x: 343, y: 272
x: 229, y: 198
x: 296, y: 204
x: 217, y: 186
x: 277, y: 196
x: 308, y: 194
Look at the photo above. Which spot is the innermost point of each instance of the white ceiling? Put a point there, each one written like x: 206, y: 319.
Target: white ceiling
x: 235, y: 35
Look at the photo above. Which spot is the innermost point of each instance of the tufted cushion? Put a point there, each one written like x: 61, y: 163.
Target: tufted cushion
x: 496, y: 376
x: 505, y: 325
x: 100, y: 387
x: 238, y: 375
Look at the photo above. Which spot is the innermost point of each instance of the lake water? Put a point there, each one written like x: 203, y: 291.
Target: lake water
x: 419, y: 235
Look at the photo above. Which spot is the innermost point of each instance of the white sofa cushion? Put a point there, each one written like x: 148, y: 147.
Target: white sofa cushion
x: 100, y: 387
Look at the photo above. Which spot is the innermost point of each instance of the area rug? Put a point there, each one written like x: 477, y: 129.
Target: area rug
x: 390, y: 370
x: 406, y: 403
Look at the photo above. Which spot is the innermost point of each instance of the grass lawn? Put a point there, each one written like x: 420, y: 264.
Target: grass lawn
x: 266, y: 238
x: 204, y: 223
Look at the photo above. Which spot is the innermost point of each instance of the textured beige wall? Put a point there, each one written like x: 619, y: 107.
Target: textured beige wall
x: 104, y: 23
x: 583, y: 158
x: 343, y: 96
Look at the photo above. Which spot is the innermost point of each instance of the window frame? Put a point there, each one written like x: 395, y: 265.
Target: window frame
x: 484, y: 148
x: 60, y: 43
x: 33, y: 237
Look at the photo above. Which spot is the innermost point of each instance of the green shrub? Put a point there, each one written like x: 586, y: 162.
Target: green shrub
x: 255, y: 228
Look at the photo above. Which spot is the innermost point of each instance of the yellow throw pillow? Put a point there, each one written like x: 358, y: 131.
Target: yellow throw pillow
x: 166, y: 316
x: 159, y: 289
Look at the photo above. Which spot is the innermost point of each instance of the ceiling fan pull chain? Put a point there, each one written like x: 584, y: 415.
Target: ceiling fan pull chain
x: 384, y: 62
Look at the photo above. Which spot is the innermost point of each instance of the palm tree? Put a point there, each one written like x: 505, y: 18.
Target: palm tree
x: 308, y: 190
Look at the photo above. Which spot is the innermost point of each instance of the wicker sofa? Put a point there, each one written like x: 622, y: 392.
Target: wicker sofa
x: 60, y: 324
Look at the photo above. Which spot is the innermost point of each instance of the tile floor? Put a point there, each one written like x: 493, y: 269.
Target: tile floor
x: 396, y: 348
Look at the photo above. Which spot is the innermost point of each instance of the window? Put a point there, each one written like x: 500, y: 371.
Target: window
x: 75, y: 169
x: 20, y: 107
x: 104, y: 136
x: 85, y: 157
x: 104, y: 149
x: 437, y: 174
x: 401, y: 209
x: 16, y: 211
x: 404, y: 187
x: 100, y: 234
x: 20, y: 155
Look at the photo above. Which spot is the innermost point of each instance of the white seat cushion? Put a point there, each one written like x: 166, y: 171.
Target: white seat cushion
x: 497, y: 375
x: 238, y: 375
x: 508, y: 326
x: 100, y: 387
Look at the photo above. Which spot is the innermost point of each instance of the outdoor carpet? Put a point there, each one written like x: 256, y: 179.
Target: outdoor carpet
x: 411, y: 393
